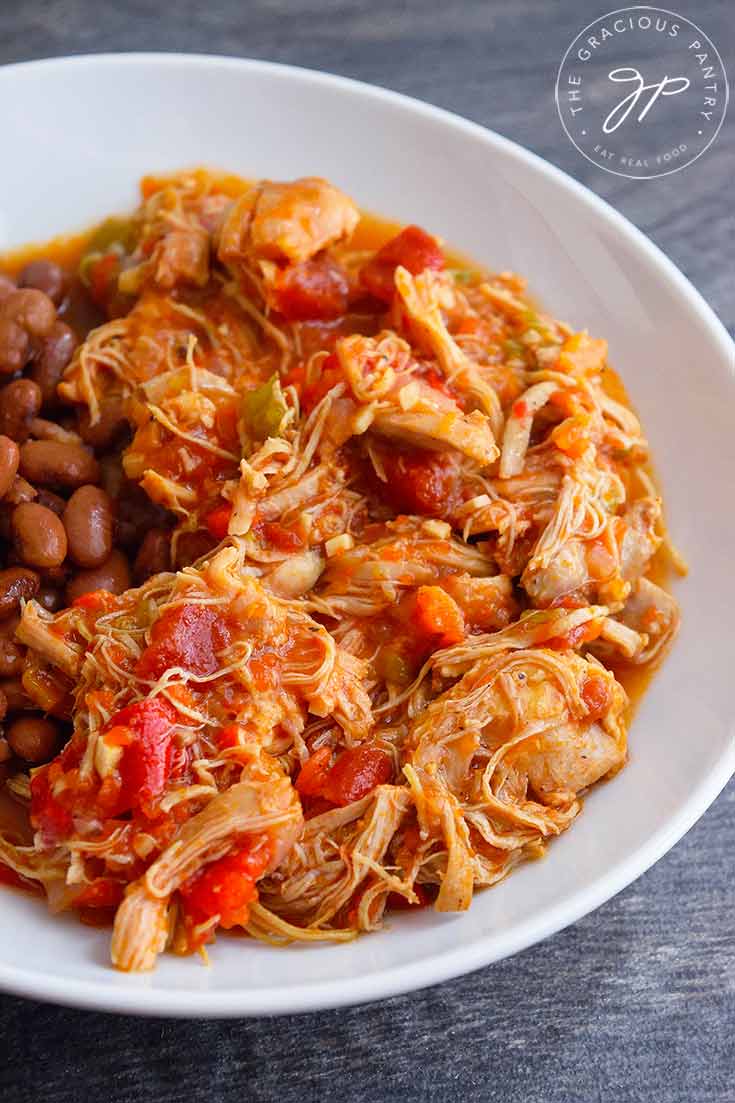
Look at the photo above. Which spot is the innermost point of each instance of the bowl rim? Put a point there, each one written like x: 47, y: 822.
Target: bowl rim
x: 484, y: 950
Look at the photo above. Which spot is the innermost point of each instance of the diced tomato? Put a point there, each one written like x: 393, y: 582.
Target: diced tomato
x: 596, y: 696
x: 314, y: 773
x: 280, y: 537
x: 229, y: 736
x: 420, y: 481
x: 189, y: 636
x: 146, y: 760
x: 396, y: 902
x: 583, y: 633
x: 294, y: 378
x: 315, y: 290
x: 356, y: 773
x: 226, y: 888
x: 218, y: 520
x: 520, y: 408
x: 49, y: 817
x: 330, y: 376
x: 96, y: 601
x: 573, y: 435
x: 413, y: 249
x: 568, y: 400
x: 103, y: 278
x: 353, y: 775
x: 100, y: 893
x: 437, y: 618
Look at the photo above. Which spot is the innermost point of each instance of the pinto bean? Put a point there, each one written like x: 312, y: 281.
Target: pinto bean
x: 16, y: 583
x: 43, y: 429
x: 112, y: 575
x: 54, y: 463
x: 154, y: 555
x: 7, y: 284
x: 20, y: 491
x: 11, y: 659
x: 33, y: 738
x: 51, y: 599
x: 9, y: 459
x: 15, y: 346
x: 46, y: 276
x: 20, y: 402
x: 88, y: 524
x: 109, y: 426
x: 15, y: 696
x: 8, y: 626
x: 30, y: 309
x: 52, y: 501
x: 191, y: 546
x: 136, y: 515
x: 38, y: 535
x: 53, y: 355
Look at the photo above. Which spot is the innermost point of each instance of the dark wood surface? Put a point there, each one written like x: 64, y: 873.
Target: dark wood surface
x: 634, y: 1002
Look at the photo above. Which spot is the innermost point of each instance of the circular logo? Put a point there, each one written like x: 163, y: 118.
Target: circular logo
x: 642, y: 92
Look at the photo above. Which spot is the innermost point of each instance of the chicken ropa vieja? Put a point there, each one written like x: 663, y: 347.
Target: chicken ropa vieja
x: 424, y: 528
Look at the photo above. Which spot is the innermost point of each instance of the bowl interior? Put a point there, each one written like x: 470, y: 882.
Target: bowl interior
x: 126, y: 116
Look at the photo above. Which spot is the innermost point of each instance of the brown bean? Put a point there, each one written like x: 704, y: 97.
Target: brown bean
x: 52, y: 600
x: 136, y: 515
x: 20, y: 491
x: 46, y: 276
x: 53, y: 463
x: 52, y: 356
x: 9, y: 458
x: 43, y: 429
x: 109, y: 426
x: 52, y: 501
x: 112, y: 476
x: 33, y: 738
x: 16, y: 583
x: 38, y: 535
x: 56, y: 576
x: 30, y: 309
x: 192, y: 546
x: 88, y: 523
x: 15, y: 696
x: 112, y: 575
x: 11, y: 659
x: 5, y: 752
x: 154, y: 555
x: 7, y: 284
x: 20, y: 402
x: 8, y: 626
x: 15, y: 346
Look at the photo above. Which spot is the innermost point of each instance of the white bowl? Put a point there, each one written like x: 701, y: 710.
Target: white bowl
x: 115, y: 118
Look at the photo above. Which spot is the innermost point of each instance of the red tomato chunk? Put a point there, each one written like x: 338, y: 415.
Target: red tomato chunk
x: 356, y: 773
x: 421, y: 482
x: 189, y: 636
x: 315, y: 290
x: 226, y: 888
x: 145, y: 731
x: 49, y: 817
x: 413, y: 249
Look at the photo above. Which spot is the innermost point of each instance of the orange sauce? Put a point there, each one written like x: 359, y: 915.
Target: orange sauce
x: 371, y: 233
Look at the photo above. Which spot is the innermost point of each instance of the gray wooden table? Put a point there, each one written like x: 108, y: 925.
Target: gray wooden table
x: 635, y: 1002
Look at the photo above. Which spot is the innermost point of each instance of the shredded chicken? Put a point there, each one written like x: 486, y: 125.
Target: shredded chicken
x: 427, y: 537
